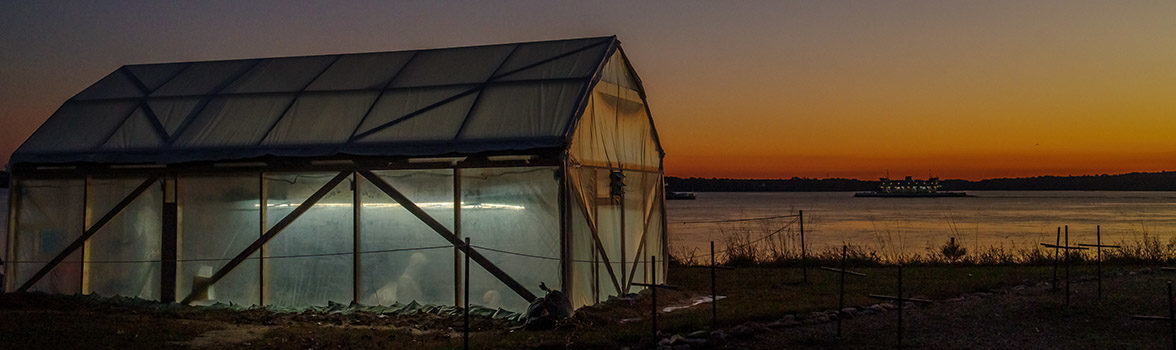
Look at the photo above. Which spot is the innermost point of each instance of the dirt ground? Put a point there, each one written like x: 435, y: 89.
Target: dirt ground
x: 1020, y: 317
x: 973, y: 307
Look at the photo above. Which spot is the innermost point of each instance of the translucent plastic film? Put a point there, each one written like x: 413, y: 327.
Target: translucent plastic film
x: 310, y: 261
x: 122, y: 258
x: 616, y: 130
x: 512, y: 217
x: 220, y: 217
x: 403, y: 260
x: 46, y: 223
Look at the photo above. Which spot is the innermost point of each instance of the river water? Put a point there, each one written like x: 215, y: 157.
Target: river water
x: 1009, y: 219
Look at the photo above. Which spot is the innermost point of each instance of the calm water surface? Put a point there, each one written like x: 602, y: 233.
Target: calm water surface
x: 1012, y: 219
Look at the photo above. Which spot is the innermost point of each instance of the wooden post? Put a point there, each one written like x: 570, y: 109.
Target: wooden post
x: 356, y: 246
x: 803, y: 249
x: 466, y: 299
x: 1098, y: 240
x: 900, y: 301
x: 457, y: 256
x: 1098, y: 245
x: 263, y: 201
x: 1053, y: 286
x: 1067, y: 255
x: 714, y: 291
x: 169, y: 241
x: 653, y: 301
x: 1171, y: 316
x: 841, y: 291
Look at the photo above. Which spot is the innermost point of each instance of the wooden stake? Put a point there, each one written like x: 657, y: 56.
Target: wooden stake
x: 1067, y: 266
x: 803, y: 249
x: 714, y: 291
x: 841, y: 295
x: 900, y: 301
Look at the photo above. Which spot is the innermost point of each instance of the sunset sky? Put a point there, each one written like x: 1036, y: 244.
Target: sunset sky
x: 749, y: 89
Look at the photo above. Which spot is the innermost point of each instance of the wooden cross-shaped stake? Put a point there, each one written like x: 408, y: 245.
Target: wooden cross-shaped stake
x: 1067, y: 248
x: 1098, y: 247
x: 653, y: 287
x: 841, y: 297
x: 898, y: 298
x: 1171, y: 317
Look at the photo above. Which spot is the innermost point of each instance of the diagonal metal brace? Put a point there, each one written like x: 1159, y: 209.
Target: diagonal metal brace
x: 201, y: 288
x: 81, y: 240
x: 448, y: 235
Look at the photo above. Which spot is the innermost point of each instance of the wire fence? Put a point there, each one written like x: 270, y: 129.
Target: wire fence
x: 733, y: 245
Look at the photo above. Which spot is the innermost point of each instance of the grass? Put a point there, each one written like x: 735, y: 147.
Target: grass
x: 777, y: 244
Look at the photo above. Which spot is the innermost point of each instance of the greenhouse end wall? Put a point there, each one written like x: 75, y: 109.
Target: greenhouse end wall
x: 379, y: 254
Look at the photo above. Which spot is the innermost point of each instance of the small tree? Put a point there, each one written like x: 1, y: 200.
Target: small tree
x: 952, y: 251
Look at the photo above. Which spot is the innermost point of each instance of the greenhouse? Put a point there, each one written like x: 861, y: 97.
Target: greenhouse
x: 298, y: 181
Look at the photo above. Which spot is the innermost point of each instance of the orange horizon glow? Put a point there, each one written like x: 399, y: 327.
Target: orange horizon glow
x: 958, y: 90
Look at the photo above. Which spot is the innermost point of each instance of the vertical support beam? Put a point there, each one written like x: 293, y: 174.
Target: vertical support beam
x: 466, y: 299
x: 356, y: 247
x: 624, y: 237
x: 84, y: 271
x: 169, y: 242
x: 263, y: 201
x: 565, y: 228
x: 458, y: 282
x: 664, y: 250
x: 13, y: 216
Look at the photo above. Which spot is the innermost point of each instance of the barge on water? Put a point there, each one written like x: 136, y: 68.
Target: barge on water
x: 909, y: 188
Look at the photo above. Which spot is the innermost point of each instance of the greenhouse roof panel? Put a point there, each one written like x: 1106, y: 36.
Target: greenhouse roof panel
x: 517, y: 96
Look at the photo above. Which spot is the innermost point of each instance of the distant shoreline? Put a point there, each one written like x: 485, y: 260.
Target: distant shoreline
x: 1154, y: 181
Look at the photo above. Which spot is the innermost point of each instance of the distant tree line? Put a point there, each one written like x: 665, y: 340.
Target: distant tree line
x: 1159, y: 181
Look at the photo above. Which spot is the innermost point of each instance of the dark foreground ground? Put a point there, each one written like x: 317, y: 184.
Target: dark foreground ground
x: 974, y: 307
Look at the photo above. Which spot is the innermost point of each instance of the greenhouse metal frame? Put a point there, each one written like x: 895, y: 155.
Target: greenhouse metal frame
x: 298, y: 181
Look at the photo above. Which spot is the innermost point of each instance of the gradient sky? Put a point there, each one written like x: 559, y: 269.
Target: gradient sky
x: 958, y: 89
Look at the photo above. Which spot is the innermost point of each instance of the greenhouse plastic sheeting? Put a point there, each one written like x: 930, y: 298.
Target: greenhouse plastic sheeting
x: 221, y: 215
x: 615, y: 130
x: 402, y: 262
x: 514, y: 210
x: 122, y: 258
x: 46, y: 224
x: 297, y: 270
x: 508, y: 97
